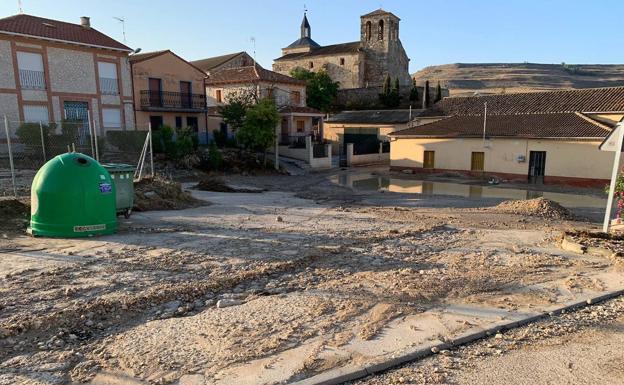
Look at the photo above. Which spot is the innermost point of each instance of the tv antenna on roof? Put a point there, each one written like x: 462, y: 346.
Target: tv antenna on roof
x: 123, y: 26
x: 19, y: 6
x: 253, y: 41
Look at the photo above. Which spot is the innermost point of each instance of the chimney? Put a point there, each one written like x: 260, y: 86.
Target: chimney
x: 85, y: 22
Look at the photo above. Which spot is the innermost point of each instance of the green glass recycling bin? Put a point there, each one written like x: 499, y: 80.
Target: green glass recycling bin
x: 123, y: 178
x: 72, y: 195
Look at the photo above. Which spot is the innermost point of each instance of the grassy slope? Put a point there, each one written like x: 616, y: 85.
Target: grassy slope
x: 465, y: 79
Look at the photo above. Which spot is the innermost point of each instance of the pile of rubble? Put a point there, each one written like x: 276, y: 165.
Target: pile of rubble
x: 539, y: 207
x: 15, y: 214
x: 160, y: 193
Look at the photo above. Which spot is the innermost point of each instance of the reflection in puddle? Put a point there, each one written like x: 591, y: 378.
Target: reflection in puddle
x: 367, y: 182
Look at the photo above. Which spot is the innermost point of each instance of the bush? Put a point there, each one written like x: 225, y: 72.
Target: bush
x: 219, y: 138
x: 30, y: 134
x: 127, y: 141
x: 215, y: 158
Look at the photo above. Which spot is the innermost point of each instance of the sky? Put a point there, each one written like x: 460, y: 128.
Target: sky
x: 432, y: 32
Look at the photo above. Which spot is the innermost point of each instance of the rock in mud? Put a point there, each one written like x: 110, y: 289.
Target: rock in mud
x: 222, y: 303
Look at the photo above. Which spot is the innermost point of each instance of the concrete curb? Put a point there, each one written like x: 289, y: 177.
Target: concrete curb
x: 341, y: 375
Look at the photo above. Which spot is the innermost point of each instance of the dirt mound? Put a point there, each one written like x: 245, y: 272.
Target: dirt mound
x: 160, y: 193
x: 15, y: 214
x: 213, y: 184
x: 539, y: 207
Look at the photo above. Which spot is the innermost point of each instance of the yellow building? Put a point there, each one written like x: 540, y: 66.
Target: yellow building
x: 168, y: 90
x: 542, y: 137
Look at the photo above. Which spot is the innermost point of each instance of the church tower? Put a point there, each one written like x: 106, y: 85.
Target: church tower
x: 305, y: 42
x: 384, y: 52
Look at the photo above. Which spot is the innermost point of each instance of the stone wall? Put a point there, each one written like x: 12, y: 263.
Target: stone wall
x: 363, y: 98
x: 71, y: 71
x: 348, y: 74
x: 7, y: 74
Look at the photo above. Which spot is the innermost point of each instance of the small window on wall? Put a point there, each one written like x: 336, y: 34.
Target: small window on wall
x: 111, y: 117
x: 178, y: 120
x: 296, y: 97
x: 35, y: 114
x: 219, y: 96
x: 311, y: 64
x: 300, y: 125
x: 429, y: 159
x: 342, y: 61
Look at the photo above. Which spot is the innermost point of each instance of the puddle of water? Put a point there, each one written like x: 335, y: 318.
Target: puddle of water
x: 368, y: 182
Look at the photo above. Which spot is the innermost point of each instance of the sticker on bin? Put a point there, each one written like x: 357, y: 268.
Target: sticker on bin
x: 106, y: 188
x: 82, y: 229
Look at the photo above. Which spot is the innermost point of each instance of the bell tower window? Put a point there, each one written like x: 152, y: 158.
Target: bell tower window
x: 381, y: 30
x: 369, y: 30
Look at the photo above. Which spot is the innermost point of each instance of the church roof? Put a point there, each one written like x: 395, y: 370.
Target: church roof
x: 352, y: 47
x: 304, y: 42
x: 380, y: 12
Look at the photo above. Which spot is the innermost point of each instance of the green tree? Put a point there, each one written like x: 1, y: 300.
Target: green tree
x: 390, y: 96
x: 235, y: 108
x: 386, y: 85
x: 438, y: 95
x: 413, y: 97
x: 321, y: 90
x: 426, y: 95
x: 258, y: 130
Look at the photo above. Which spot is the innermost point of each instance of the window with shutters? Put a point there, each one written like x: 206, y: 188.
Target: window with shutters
x: 31, y: 72
x: 108, y: 78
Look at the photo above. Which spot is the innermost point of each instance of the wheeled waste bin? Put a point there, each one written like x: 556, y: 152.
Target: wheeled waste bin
x: 123, y: 178
x: 72, y: 195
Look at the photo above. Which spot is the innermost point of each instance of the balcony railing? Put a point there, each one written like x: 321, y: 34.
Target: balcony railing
x: 166, y: 100
x: 109, y: 86
x: 33, y: 80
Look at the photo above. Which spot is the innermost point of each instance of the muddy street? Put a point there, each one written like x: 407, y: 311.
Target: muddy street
x: 278, y: 286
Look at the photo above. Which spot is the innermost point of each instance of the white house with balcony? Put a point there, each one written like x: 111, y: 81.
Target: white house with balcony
x: 52, y: 71
x: 289, y: 94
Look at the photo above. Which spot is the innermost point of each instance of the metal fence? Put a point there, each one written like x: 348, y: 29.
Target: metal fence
x: 26, y: 146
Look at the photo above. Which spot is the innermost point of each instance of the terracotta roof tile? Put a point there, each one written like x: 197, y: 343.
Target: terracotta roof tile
x: 373, y: 116
x: 39, y: 27
x: 213, y: 62
x: 298, y: 110
x: 552, y: 125
x: 582, y: 100
x: 249, y: 75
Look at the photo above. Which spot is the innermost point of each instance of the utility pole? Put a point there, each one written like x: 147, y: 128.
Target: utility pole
x: 484, y: 121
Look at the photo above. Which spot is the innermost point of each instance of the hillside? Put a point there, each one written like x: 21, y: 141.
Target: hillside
x: 465, y: 79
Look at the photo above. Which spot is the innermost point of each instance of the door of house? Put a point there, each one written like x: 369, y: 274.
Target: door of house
x: 537, y: 166
x: 284, y: 132
x: 156, y: 122
x: 155, y: 92
x: 185, y: 94
x: 77, y: 120
x: 429, y: 159
x: 477, y: 161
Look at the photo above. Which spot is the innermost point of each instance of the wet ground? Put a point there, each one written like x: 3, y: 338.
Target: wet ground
x: 273, y: 287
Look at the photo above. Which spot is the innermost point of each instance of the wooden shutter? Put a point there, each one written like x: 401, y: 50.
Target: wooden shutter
x: 477, y: 162
x: 429, y: 159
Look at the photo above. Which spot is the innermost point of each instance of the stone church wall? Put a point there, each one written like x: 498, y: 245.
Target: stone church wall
x: 348, y: 74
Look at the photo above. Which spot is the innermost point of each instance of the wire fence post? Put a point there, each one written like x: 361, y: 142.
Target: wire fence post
x: 8, y: 137
x: 43, y: 146
x: 149, y: 126
x: 95, y: 139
